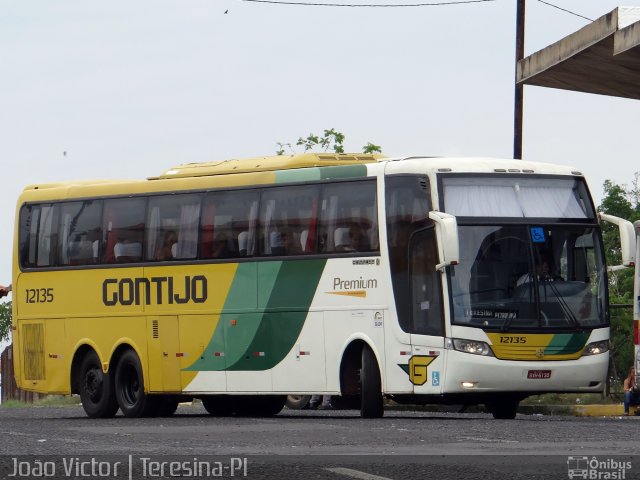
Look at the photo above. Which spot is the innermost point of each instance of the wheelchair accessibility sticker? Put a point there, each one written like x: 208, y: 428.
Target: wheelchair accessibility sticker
x: 435, y: 379
x: 537, y: 234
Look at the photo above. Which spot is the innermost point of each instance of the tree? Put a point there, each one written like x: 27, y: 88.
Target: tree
x: 5, y: 321
x: 624, y: 202
x: 331, y: 139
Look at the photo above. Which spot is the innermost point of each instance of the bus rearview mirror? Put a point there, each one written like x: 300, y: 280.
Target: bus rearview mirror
x: 447, y: 235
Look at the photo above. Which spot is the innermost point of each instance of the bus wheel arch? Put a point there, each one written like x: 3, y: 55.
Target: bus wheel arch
x: 95, y: 387
x: 360, y: 376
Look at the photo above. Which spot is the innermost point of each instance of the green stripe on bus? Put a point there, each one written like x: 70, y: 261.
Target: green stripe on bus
x: 300, y: 175
x: 321, y: 173
x: 343, y: 171
x: 260, y: 340
x: 295, y: 286
x: 566, y: 343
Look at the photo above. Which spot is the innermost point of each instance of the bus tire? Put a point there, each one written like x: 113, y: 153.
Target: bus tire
x: 298, y: 402
x: 258, y: 405
x: 96, y: 388
x: 218, y: 405
x: 166, y: 405
x: 504, y: 408
x: 371, y: 404
x: 270, y: 405
x: 129, y: 386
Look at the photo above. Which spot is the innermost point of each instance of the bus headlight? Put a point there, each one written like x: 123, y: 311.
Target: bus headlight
x: 596, y: 348
x: 475, y: 347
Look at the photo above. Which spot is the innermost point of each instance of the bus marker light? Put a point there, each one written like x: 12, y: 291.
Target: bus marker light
x: 258, y: 354
x: 180, y: 354
x: 304, y: 353
x: 234, y: 322
x: 433, y: 352
x: 53, y: 355
x: 402, y: 352
x: 218, y: 354
x: 468, y: 384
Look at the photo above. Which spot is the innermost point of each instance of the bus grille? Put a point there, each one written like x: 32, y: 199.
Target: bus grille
x: 33, y: 351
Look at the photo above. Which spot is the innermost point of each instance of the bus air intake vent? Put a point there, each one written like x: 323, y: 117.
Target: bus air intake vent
x: 154, y: 329
x: 33, y: 351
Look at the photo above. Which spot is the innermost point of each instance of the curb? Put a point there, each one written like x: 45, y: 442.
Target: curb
x: 606, y: 410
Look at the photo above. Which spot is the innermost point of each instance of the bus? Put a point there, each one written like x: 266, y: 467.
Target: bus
x: 636, y: 309
x: 238, y: 282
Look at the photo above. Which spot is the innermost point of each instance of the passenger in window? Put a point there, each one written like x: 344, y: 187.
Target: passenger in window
x: 221, y: 246
x: 164, y: 251
x: 289, y: 244
x: 357, y: 240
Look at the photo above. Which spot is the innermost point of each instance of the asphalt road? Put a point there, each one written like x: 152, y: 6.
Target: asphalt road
x: 307, y: 444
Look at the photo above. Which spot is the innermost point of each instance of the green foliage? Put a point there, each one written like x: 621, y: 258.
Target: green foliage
x: 5, y: 321
x: 371, y: 148
x: 331, y: 139
x: 621, y: 201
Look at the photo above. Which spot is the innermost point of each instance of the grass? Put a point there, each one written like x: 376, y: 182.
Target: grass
x: 48, y: 401
x: 572, y: 399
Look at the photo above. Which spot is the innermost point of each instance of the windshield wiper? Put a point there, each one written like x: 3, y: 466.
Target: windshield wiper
x: 563, y: 303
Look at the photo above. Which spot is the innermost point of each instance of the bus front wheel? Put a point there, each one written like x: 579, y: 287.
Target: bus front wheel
x: 96, y: 388
x: 504, y: 408
x: 129, y: 387
x: 371, y: 404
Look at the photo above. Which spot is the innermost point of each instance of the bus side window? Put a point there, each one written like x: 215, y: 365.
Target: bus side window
x: 39, y: 234
x: 80, y: 232
x: 285, y: 214
x: 123, y: 229
x: 229, y: 223
x: 426, y: 284
x: 348, y: 221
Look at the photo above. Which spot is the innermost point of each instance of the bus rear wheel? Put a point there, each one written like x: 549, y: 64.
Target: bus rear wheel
x: 96, y: 388
x: 218, y: 405
x: 129, y: 387
x: 371, y: 404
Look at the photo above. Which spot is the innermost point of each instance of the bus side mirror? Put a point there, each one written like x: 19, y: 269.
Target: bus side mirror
x: 447, y: 235
x: 627, y: 240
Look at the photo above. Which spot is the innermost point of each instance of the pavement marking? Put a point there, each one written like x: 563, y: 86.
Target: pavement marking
x: 356, y: 474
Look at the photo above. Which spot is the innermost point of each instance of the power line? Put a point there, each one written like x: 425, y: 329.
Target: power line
x: 565, y: 10
x: 386, y: 5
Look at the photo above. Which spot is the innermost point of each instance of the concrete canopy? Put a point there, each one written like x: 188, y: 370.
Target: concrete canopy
x: 601, y: 58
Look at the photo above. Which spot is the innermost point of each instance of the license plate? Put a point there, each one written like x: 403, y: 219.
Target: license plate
x: 539, y: 374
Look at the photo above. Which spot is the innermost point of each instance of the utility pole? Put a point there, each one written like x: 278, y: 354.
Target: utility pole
x: 518, y: 103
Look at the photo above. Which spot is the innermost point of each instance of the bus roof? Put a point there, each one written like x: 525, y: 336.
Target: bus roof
x: 284, y: 169
x: 279, y: 162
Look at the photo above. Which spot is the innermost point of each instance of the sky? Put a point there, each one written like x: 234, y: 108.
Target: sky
x: 125, y: 90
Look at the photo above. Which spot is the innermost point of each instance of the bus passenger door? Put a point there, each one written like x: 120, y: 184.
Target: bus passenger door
x: 426, y: 364
x: 164, y: 354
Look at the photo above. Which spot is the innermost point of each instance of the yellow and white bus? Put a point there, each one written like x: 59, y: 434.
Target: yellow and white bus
x: 239, y: 282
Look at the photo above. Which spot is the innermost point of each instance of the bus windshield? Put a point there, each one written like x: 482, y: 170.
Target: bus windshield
x: 529, y: 277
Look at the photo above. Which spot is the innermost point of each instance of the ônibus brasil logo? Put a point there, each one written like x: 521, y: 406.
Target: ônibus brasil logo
x: 597, y: 469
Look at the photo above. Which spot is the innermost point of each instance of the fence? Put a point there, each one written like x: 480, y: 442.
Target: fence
x: 10, y: 391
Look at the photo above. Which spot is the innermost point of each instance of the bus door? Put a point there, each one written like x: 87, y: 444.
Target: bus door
x: 426, y: 365
x: 164, y: 354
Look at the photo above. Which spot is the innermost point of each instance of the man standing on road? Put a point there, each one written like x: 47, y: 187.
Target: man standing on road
x: 4, y: 291
x: 631, y: 394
